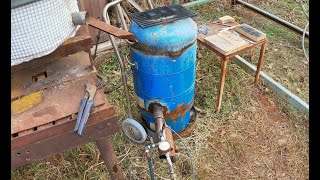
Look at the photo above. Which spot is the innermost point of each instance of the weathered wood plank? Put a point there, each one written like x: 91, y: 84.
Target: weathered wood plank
x: 234, y: 39
x: 250, y: 32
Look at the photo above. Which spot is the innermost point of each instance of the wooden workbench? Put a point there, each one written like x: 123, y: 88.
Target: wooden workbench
x: 45, y: 100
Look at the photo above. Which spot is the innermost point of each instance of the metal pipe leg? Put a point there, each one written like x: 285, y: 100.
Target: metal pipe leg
x: 222, y: 79
x: 116, y: 50
x: 118, y: 21
x: 123, y: 73
x: 109, y: 158
x: 123, y: 21
x: 260, y: 62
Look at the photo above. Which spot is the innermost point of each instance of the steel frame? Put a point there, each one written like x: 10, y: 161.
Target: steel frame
x: 271, y: 17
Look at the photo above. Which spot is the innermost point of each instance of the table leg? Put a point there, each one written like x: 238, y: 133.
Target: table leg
x: 109, y: 158
x: 222, y: 79
x: 251, y: 52
x: 260, y: 62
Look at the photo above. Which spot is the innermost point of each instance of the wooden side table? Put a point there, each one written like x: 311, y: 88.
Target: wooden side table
x: 213, y: 28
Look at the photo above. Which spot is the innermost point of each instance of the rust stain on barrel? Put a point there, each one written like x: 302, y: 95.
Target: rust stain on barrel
x: 181, y: 110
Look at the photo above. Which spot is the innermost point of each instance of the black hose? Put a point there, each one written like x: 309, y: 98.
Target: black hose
x: 113, y: 89
x: 150, y: 168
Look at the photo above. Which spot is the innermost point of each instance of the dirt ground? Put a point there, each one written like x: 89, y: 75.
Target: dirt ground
x: 256, y: 135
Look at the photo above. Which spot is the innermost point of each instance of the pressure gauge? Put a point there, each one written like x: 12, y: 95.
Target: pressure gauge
x: 164, y: 146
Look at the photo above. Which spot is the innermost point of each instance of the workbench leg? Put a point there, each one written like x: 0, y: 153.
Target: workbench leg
x: 260, y: 62
x: 109, y: 158
x: 222, y: 79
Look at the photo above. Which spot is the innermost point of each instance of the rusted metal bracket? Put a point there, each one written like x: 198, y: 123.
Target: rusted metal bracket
x: 83, y: 18
x: 118, y: 32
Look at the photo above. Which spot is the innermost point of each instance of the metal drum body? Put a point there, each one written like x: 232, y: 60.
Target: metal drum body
x: 165, y: 70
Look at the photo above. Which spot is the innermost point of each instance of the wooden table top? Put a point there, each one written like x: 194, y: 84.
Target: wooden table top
x: 213, y: 28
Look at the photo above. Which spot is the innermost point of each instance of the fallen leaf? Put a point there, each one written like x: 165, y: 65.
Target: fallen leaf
x: 223, y: 132
x: 233, y: 135
x: 240, y: 118
x: 200, y: 111
x: 234, y: 113
x: 270, y: 66
x: 282, y: 142
x: 271, y: 102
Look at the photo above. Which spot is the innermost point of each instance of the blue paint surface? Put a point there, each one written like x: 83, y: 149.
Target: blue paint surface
x: 162, y: 78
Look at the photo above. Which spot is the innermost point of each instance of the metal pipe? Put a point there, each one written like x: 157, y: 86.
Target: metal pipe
x: 148, y: 155
x: 136, y: 5
x: 150, y: 167
x: 123, y: 21
x: 97, y: 42
x: 116, y: 50
x: 159, y: 120
x: 284, y: 93
x: 126, y: 12
x: 173, y: 175
x: 118, y: 21
x: 195, y: 3
x: 273, y: 17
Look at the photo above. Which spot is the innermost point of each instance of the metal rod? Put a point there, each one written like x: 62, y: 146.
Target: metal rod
x: 118, y: 21
x: 136, y: 5
x: 125, y: 27
x: 284, y: 93
x: 97, y: 42
x: 194, y: 3
x: 123, y: 21
x: 173, y: 175
x: 148, y: 155
x: 150, y: 168
x: 273, y: 17
x: 116, y: 50
x: 126, y: 12
x: 150, y: 4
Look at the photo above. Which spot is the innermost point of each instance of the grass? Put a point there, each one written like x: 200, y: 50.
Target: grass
x: 255, y: 136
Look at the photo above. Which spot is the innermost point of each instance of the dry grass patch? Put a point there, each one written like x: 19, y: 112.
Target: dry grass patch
x: 255, y: 136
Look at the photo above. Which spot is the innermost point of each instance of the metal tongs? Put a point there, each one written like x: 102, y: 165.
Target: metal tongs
x: 86, y: 104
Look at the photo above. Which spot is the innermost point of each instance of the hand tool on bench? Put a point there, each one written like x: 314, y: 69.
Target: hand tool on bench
x: 86, y: 104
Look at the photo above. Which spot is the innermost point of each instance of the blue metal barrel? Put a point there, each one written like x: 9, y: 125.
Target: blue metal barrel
x: 165, y: 70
